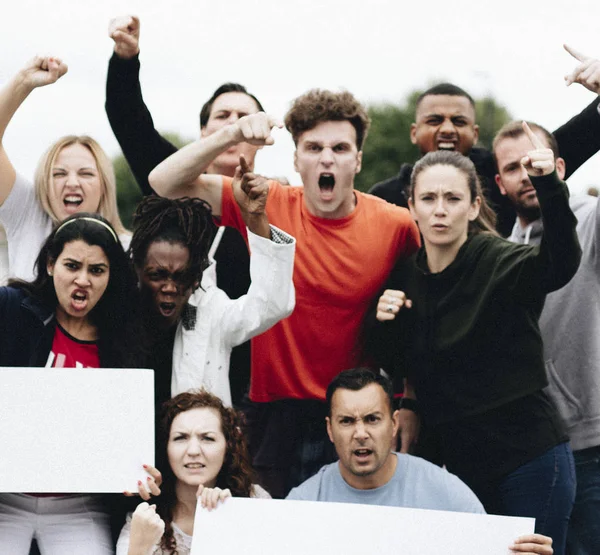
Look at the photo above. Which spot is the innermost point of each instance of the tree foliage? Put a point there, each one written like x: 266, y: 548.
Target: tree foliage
x: 128, y: 192
x: 388, y: 144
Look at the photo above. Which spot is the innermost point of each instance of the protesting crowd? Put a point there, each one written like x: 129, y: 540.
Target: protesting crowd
x: 433, y: 344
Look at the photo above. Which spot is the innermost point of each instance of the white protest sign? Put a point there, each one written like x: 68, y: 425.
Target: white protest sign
x: 75, y: 430
x: 273, y: 527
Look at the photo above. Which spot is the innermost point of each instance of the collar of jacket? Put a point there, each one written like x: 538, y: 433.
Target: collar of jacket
x: 38, y: 309
x: 452, y: 268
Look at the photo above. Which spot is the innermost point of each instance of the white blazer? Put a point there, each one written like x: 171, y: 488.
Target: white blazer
x: 201, y: 354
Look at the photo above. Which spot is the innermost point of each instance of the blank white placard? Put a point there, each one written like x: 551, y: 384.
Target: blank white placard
x: 75, y: 430
x: 273, y: 527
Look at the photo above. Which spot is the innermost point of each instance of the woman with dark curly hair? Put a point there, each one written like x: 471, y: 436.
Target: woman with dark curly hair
x: 204, y: 447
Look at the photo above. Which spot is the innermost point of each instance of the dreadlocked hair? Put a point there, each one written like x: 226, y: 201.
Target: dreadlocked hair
x: 185, y: 220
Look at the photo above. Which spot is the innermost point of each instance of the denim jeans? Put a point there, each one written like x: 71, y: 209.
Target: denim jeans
x: 583, y: 537
x: 543, y: 488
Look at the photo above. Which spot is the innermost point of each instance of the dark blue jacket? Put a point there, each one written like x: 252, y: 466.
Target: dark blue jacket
x: 26, y: 329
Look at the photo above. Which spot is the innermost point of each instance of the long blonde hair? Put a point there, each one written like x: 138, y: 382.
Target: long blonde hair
x: 108, y: 198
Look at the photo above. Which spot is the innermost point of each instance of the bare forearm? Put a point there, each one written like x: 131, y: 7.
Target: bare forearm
x: 12, y: 95
x: 185, y: 165
x: 258, y: 224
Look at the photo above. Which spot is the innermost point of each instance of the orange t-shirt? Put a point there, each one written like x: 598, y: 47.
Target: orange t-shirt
x: 340, y: 266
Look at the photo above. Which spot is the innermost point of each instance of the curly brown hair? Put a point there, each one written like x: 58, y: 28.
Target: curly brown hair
x: 236, y: 473
x: 318, y: 105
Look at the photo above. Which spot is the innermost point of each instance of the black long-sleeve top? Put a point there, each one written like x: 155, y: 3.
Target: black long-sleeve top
x: 144, y: 148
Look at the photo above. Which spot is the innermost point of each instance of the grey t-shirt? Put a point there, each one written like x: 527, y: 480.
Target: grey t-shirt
x: 416, y: 484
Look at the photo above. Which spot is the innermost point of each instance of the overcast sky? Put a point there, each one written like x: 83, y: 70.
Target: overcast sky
x: 378, y: 49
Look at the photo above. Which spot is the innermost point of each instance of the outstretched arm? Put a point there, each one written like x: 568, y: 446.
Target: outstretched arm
x: 181, y: 174
x: 579, y: 138
x: 271, y: 296
x: 38, y: 72
x: 131, y: 121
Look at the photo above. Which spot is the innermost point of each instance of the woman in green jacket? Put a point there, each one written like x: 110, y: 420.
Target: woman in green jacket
x: 470, y: 344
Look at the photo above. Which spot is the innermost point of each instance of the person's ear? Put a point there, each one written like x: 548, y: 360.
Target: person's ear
x: 413, y: 133
x: 498, y: 180
x: 475, y: 133
x: 50, y: 267
x: 561, y: 167
x: 474, y: 210
x: 396, y: 422
x: 411, y: 207
x: 328, y: 422
x: 358, y: 162
x: 296, y: 161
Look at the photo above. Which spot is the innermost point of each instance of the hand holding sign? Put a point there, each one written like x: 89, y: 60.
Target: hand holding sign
x: 540, y: 160
x: 587, y: 73
x: 210, y: 498
x: 125, y: 31
x: 533, y: 544
x: 150, y: 487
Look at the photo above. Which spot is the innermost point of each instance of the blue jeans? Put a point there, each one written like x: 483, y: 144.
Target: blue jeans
x: 543, y: 488
x: 583, y: 537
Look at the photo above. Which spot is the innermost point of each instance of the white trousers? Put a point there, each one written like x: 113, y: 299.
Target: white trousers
x: 71, y: 525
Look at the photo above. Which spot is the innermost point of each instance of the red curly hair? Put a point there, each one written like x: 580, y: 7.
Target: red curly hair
x: 236, y: 473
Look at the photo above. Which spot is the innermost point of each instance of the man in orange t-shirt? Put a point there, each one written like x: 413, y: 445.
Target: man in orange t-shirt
x: 347, y: 244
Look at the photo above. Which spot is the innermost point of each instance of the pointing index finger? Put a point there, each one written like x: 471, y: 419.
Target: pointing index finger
x: 245, y: 168
x: 575, y: 53
x: 535, y: 140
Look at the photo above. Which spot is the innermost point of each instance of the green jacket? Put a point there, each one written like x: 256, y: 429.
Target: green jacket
x: 471, y: 341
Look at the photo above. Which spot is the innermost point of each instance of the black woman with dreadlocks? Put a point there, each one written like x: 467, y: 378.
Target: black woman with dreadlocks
x: 192, y: 324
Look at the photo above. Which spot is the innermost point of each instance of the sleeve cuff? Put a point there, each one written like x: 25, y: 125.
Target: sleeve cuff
x: 280, y: 237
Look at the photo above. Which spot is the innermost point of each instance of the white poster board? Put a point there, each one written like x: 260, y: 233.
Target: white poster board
x: 75, y: 430
x: 273, y: 527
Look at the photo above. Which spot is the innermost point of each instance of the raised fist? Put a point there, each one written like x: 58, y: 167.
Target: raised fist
x: 42, y: 71
x: 125, y: 31
x: 255, y: 129
x: 147, y: 527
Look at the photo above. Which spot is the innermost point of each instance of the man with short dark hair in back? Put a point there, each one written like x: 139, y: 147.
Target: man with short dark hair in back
x: 445, y: 120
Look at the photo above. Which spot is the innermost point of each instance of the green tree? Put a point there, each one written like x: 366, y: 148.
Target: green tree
x: 128, y: 192
x: 388, y: 143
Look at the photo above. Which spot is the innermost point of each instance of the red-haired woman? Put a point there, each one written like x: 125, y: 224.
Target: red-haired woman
x: 203, y: 444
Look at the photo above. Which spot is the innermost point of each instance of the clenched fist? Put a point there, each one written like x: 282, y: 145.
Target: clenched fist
x: 125, y: 31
